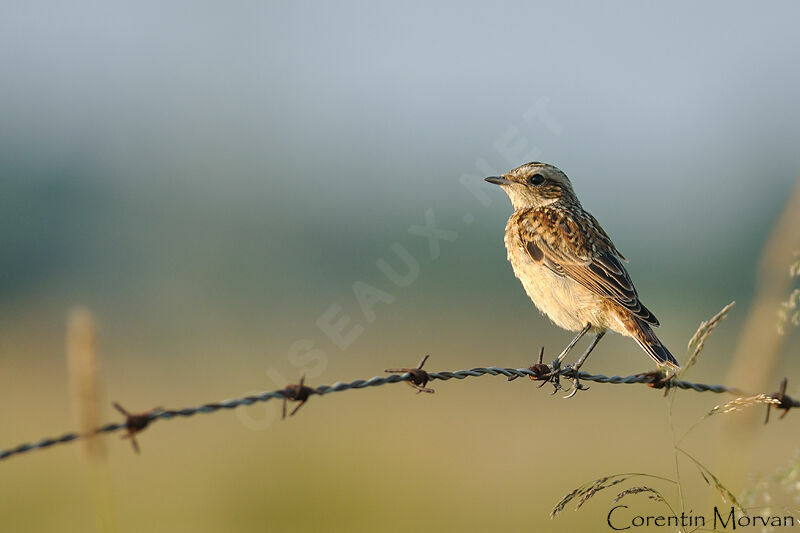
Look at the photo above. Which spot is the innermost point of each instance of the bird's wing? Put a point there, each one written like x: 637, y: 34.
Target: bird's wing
x: 572, y: 244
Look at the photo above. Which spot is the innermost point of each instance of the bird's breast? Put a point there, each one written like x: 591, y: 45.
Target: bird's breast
x: 568, y: 304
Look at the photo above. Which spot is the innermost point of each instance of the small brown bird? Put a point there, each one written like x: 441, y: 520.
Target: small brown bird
x: 569, y: 266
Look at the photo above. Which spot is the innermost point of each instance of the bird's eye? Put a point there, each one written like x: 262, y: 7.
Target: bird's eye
x: 536, y: 179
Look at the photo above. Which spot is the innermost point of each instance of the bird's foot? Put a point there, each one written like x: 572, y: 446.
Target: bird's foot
x: 552, y: 374
x: 575, y: 378
x: 555, y: 376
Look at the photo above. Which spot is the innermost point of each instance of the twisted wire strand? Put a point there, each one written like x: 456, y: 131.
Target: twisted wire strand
x: 233, y: 403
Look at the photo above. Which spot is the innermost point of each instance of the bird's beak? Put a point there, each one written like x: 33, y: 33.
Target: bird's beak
x: 498, y: 180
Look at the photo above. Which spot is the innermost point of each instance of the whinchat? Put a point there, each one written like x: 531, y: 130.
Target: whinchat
x: 569, y: 266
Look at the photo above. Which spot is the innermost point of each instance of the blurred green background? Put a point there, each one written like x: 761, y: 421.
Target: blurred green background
x: 209, y: 179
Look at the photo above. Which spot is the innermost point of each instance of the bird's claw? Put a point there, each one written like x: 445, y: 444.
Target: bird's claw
x: 576, y: 382
x: 575, y: 390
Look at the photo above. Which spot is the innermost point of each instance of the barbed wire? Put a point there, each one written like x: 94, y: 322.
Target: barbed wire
x: 416, y: 377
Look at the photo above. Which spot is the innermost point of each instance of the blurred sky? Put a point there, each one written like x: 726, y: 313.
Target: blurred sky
x: 257, y: 152
x: 211, y: 177
x: 676, y: 122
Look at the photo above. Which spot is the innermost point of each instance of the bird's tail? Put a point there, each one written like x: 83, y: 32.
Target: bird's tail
x: 644, y: 336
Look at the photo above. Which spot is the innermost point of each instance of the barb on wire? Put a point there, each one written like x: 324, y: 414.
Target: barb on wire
x: 540, y: 371
x: 418, y: 378
x: 784, y: 401
x: 296, y: 393
x: 134, y: 423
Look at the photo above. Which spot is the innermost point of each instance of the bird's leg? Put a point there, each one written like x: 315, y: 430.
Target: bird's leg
x: 557, y: 363
x: 577, y: 367
x: 572, y: 343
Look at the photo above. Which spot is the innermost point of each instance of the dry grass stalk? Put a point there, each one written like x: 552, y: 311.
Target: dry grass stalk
x: 595, y: 488
x: 759, y: 348
x: 738, y: 404
x: 789, y: 311
x: 586, y: 491
x: 653, y: 494
x: 698, y: 340
x: 712, y: 480
x: 82, y: 368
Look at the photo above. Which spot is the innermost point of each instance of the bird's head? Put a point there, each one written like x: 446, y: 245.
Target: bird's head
x: 535, y: 185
